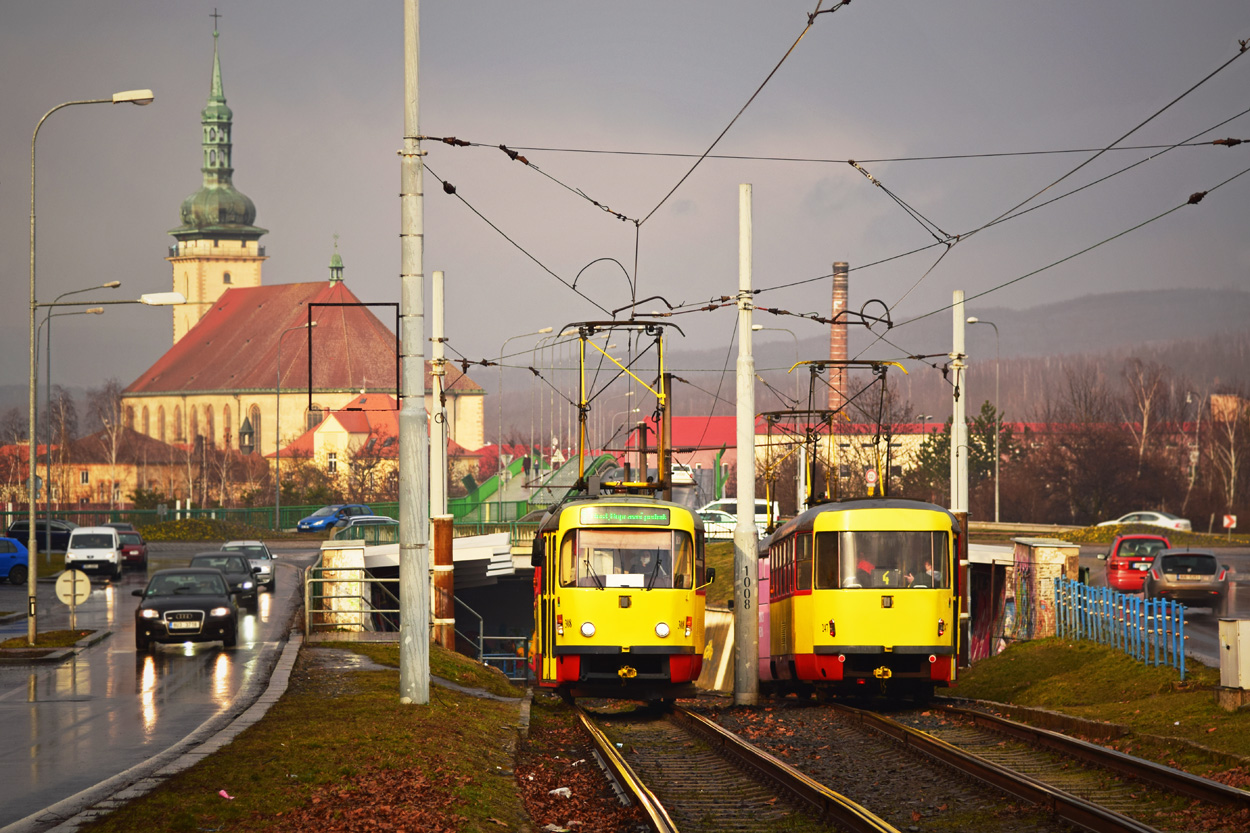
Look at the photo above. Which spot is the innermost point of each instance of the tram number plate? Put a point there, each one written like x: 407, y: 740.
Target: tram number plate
x: 184, y: 626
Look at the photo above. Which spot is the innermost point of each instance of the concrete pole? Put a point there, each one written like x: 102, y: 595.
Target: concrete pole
x: 746, y: 544
x: 444, y: 583
x: 959, y: 423
x: 438, y: 378
x: 414, y: 461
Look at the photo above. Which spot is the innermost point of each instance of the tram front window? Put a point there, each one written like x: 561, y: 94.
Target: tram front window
x: 627, y: 558
x: 881, y: 560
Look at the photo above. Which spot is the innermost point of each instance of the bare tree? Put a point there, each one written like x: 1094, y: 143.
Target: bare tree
x: 1147, y: 389
x: 104, y: 405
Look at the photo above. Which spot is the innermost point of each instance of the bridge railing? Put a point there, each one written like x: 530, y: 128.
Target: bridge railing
x: 1151, y: 631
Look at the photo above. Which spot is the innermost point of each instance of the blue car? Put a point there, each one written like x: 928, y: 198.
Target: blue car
x: 14, y: 561
x: 329, y: 517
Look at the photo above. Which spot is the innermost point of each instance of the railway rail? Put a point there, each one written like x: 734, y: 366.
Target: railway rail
x: 1075, y: 782
x: 689, y: 774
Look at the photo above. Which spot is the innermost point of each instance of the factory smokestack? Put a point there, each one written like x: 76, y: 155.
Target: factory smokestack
x: 837, y: 338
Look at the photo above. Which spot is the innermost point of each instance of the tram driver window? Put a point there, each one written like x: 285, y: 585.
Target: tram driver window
x: 827, y: 561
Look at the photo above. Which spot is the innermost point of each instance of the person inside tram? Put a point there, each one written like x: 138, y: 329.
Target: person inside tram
x: 922, y: 578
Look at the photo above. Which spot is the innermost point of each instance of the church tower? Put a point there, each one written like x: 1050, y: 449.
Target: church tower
x: 218, y: 246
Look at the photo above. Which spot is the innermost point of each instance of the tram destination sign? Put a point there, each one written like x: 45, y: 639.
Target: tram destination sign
x: 604, y: 515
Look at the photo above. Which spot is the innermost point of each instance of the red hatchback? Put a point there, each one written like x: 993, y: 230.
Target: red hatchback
x: 1129, y: 559
x: 134, y: 550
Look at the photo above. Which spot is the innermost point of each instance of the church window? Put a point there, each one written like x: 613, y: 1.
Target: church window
x: 225, y: 278
x: 209, y: 434
x: 212, y: 157
x: 178, y: 435
x: 194, y: 416
x: 225, y: 425
x: 314, y: 416
x: 160, y: 423
x: 254, y: 416
x: 212, y: 134
x: 128, y: 417
x: 147, y: 427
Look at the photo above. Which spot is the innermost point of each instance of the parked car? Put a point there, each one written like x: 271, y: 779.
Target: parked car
x: 134, y: 549
x: 14, y: 561
x: 329, y: 517
x: 121, y: 526
x: 356, y: 528
x: 1152, y: 519
x: 96, y: 550
x: 718, y: 525
x: 1129, y: 558
x: 261, y: 558
x: 239, y: 572
x: 1190, y: 576
x: 729, y: 505
x: 60, y: 533
x: 185, y: 604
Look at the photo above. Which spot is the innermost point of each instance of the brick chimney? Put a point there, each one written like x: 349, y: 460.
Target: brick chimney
x: 837, y: 338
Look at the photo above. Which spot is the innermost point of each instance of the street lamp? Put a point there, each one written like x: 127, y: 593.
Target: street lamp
x: 47, y: 375
x: 499, y: 448
x: 277, y: 426
x: 998, y: 415
x: 132, y: 97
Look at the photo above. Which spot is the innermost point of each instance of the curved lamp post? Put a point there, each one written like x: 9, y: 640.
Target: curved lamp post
x: 998, y: 417
x: 277, y: 426
x: 47, y: 376
x: 128, y: 96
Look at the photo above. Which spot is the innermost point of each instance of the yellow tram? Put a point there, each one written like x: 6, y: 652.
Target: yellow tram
x: 619, y: 591
x: 863, y: 595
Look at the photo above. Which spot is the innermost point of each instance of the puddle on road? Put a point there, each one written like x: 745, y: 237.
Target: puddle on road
x: 334, y: 659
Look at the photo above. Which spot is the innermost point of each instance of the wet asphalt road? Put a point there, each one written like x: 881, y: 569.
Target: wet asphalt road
x: 70, y: 725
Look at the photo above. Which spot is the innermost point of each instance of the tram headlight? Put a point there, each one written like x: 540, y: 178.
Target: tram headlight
x: 588, y: 629
x: 661, y: 630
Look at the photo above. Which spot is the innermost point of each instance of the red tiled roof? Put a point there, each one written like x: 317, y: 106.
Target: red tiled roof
x: 235, y: 346
x: 375, y: 414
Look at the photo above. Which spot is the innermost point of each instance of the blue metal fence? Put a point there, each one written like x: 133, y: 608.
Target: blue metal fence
x: 1149, y: 630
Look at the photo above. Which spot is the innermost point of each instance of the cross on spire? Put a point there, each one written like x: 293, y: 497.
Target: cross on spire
x: 214, y: 16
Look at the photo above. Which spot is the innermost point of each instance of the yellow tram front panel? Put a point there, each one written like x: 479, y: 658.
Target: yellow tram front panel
x: 871, y: 594
x: 621, y: 601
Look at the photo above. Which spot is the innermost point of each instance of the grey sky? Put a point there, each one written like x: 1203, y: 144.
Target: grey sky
x: 316, y: 91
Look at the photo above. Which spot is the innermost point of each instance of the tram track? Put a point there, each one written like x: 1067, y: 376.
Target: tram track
x: 1067, y: 781
x: 690, y: 775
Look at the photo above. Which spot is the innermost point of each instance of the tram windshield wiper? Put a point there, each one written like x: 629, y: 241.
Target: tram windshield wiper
x: 655, y: 570
x: 591, y: 569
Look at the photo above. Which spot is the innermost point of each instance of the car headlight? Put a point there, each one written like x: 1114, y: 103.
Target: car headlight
x: 247, y: 585
x: 219, y: 611
x: 148, y: 613
x: 588, y: 629
x: 661, y: 630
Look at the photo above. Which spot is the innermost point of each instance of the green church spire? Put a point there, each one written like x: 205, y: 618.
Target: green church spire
x: 217, y: 208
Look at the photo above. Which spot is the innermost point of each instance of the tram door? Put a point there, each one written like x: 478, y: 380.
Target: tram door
x: 547, y: 607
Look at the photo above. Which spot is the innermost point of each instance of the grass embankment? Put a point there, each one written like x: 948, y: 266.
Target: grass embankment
x: 338, y: 752
x: 1095, y: 535
x: 1167, y: 721
x: 47, y: 639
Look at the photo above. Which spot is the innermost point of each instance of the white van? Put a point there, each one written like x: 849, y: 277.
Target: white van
x: 730, y: 505
x: 96, y: 550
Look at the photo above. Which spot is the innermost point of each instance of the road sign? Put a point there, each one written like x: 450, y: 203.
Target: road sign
x: 1230, y: 521
x: 870, y: 477
x: 73, y: 587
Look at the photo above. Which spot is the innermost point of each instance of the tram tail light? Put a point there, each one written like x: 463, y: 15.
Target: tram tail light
x: 560, y: 624
x: 689, y: 624
x: 941, y: 626
x: 833, y: 630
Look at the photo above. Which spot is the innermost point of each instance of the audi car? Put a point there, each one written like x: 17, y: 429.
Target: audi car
x: 186, y: 604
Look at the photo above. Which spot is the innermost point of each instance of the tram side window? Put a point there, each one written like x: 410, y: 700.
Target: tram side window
x: 827, y: 561
x: 683, y: 561
x: 803, y: 544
